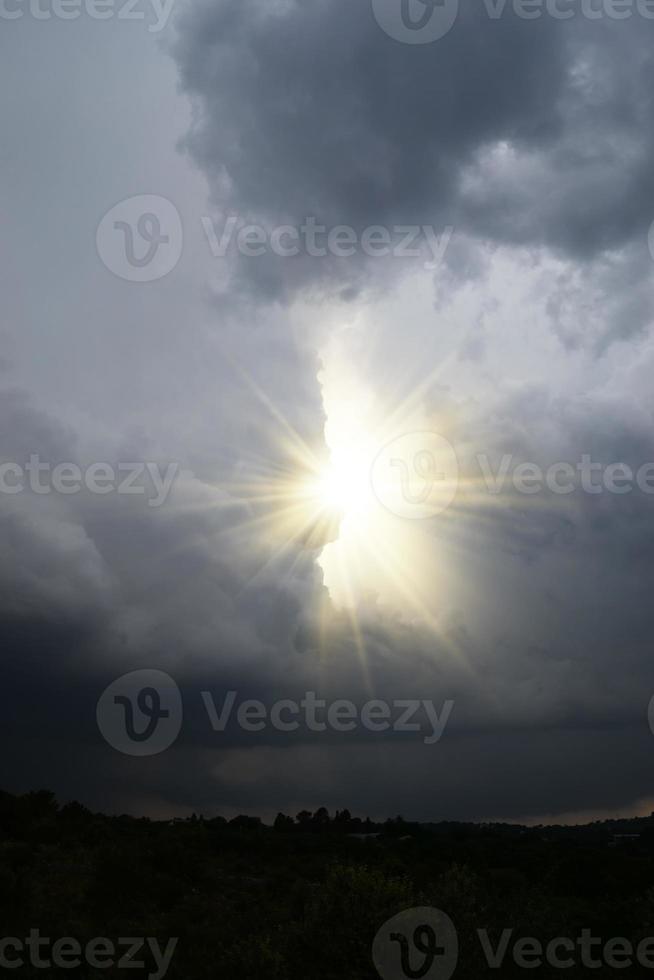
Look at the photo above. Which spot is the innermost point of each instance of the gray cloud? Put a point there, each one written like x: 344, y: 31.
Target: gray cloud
x: 534, y: 141
x: 525, y: 132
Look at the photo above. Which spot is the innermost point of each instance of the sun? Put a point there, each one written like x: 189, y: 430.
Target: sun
x: 344, y: 481
x: 349, y: 499
x: 344, y: 484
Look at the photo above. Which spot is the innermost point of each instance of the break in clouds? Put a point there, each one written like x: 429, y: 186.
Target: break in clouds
x: 532, y: 140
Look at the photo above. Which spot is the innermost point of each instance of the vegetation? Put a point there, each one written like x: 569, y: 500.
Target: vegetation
x: 303, y: 900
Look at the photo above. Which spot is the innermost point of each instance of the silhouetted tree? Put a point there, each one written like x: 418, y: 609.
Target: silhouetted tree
x: 243, y: 822
x: 320, y: 819
x: 284, y: 822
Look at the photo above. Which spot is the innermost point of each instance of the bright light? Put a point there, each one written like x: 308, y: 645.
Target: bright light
x: 374, y: 553
x: 344, y: 486
x: 353, y: 500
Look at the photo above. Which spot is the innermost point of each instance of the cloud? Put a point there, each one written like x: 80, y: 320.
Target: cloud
x: 532, y: 338
x: 512, y: 130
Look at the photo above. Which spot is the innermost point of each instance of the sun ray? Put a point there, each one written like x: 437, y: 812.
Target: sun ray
x: 328, y: 505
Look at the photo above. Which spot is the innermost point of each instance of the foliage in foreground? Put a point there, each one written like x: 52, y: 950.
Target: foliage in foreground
x: 305, y: 898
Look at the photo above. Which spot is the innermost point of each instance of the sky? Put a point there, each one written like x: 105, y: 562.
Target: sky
x: 361, y: 290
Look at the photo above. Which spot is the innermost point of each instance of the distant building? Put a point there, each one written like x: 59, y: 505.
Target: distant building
x: 620, y: 839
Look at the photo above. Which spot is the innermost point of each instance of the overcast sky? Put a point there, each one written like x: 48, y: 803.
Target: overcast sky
x: 523, y: 329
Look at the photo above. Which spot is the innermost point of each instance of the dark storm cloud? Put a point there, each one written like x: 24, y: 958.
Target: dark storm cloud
x: 561, y: 682
x: 518, y: 133
x: 530, y: 132
x: 310, y: 106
